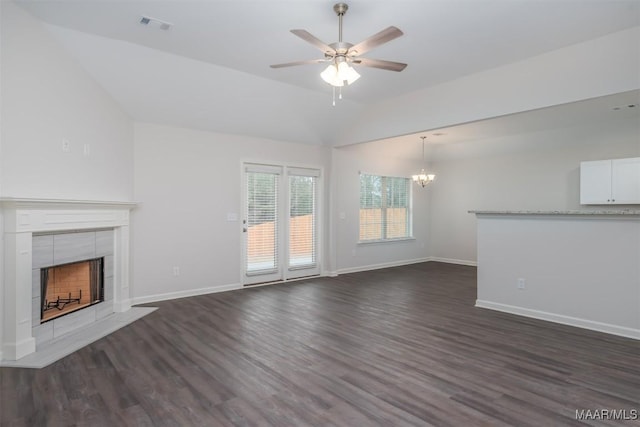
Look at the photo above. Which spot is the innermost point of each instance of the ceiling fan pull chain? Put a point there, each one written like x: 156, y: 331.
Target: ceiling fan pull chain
x: 340, y: 92
x: 334, y: 96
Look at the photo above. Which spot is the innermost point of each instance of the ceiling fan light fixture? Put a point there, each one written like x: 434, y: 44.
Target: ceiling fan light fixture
x: 330, y: 75
x: 340, y: 74
x: 341, y: 55
x: 347, y: 73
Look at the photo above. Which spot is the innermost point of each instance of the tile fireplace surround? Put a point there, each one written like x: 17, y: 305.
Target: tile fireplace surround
x: 25, y: 218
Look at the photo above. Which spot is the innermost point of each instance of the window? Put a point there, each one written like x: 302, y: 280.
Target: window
x: 385, y: 209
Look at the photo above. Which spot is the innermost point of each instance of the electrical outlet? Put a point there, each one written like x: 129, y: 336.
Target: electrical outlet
x: 87, y: 150
x: 66, y: 145
x: 176, y: 271
x: 521, y: 284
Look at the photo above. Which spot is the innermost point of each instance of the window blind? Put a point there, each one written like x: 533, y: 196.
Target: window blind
x: 385, y: 208
x: 302, y: 218
x: 262, y: 221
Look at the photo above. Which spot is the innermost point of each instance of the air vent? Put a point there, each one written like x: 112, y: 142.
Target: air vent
x: 153, y: 22
x: 621, y: 107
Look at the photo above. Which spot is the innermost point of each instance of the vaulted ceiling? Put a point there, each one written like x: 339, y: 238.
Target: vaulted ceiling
x: 211, y: 69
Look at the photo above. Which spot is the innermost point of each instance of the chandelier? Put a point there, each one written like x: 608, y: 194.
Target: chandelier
x: 422, y: 179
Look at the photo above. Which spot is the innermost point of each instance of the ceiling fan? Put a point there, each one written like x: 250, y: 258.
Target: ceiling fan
x: 340, y: 54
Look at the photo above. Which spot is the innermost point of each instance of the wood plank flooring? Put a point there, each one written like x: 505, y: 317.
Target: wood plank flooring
x: 401, y: 346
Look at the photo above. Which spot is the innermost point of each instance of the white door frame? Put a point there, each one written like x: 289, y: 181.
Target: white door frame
x: 283, y: 272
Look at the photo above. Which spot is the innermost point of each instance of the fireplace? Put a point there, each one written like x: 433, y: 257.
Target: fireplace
x: 71, y: 287
x: 38, y: 234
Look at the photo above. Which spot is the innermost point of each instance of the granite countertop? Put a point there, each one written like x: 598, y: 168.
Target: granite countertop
x: 574, y: 212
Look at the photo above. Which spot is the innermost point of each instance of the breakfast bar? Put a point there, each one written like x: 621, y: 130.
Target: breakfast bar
x: 580, y: 268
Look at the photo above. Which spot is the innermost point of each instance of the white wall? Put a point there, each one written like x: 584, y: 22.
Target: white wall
x: 375, y: 158
x: 48, y: 97
x: 578, y: 270
x: 187, y: 181
x: 598, y: 67
x: 530, y: 171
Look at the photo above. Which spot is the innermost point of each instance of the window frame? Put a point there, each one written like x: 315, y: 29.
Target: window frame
x: 383, y: 210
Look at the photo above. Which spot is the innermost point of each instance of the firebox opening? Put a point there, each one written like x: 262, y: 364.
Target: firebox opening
x: 70, y: 287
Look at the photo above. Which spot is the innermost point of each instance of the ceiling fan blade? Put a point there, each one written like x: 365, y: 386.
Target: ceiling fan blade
x: 379, y: 63
x: 376, y: 40
x: 308, y: 37
x: 305, y: 62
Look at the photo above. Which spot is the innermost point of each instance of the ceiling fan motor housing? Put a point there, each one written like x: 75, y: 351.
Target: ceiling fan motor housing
x: 341, y: 48
x: 340, y: 8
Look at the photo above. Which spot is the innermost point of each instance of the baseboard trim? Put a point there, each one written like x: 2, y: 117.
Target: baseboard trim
x: 454, y: 261
x: 381, y: 265
x: 184, y: 294
x: 401, y: 263
x: 210, y: 290
x: 622, y: 331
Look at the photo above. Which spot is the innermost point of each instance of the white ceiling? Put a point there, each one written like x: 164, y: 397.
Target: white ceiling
x: 211, y: 70
x: 621, y: 106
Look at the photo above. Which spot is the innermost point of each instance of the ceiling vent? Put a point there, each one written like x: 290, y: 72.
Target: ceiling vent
x: 153, y: 22
x: 621, y: 107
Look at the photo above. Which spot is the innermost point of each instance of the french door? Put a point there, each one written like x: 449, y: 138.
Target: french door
x: 280, y: 224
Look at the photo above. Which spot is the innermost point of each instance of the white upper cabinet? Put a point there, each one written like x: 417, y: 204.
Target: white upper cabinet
x: 610, y: 182
x: 625, y: 180
x: 595, y: 182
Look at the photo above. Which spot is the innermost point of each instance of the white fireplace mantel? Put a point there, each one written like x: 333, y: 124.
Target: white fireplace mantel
x: 24, y: 217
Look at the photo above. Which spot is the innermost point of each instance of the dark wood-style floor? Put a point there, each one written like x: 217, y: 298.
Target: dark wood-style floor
x: 393, y: 347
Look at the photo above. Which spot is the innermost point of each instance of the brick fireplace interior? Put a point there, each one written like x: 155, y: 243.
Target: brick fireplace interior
x: 71, y: 287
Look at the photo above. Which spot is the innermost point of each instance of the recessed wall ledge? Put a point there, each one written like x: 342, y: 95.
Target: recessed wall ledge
x: 602, y: 212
